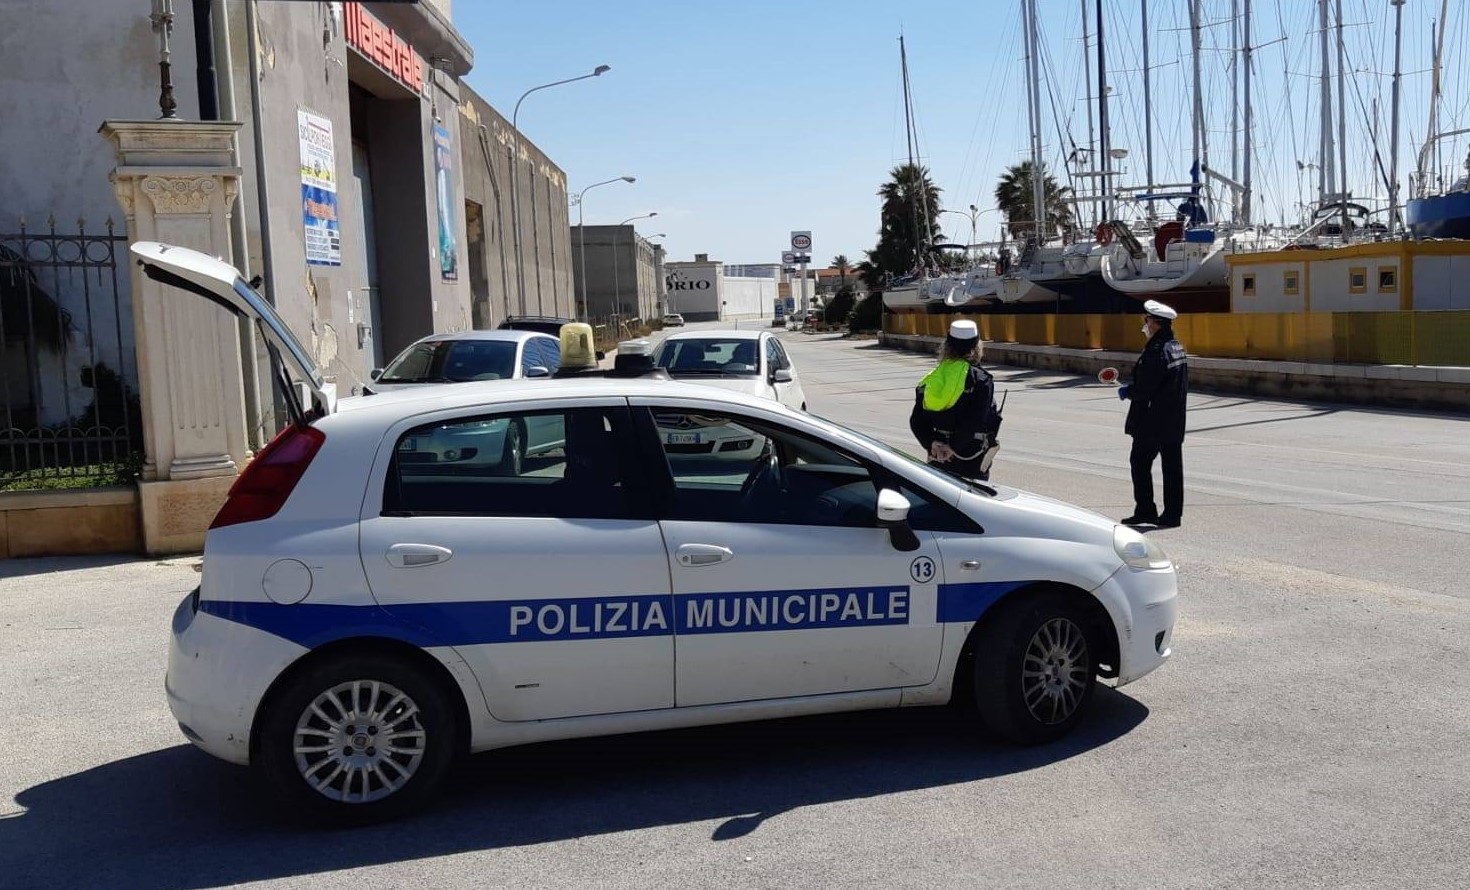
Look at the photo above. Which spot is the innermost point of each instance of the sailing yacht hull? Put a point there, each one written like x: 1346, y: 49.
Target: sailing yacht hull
x: 1440, y: 216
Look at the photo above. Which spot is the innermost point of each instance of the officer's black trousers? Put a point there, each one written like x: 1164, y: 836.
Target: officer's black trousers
x: 1145, y: 449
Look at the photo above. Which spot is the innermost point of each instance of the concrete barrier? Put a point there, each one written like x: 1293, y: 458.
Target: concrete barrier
x: 1393, y: 386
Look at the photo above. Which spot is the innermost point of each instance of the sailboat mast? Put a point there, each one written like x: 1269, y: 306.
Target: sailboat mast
x: 1342, y: 167
x: 1105, y: 145
x: 1327, y: 180
x: 1434, y: 92
x: 1393, y: 157
x: 1198, y: 115
x: 1148, y: 113
x: 1235, y: 90
x: 1087, y: 83
x: 1038, y: 173
x: 916, y: 182
x: 1245, y: 182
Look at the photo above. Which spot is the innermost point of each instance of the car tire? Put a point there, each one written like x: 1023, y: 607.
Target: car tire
x: 303, y: 734
x: 1035, y: 669
x: 513, y: 451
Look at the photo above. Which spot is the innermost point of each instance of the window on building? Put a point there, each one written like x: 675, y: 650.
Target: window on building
x: 1248, y: 285
x: 1358, y: 280
x: 1291, y: 282
x: 1388, y: 279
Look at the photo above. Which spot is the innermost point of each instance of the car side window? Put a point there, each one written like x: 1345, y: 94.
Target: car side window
x: 773, y: 355
x: 550, y: 353
x: 730, y: 469
x: 538, y: 464
x: 781, y: 352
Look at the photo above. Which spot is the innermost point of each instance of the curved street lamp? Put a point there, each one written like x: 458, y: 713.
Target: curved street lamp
x: 582, y: 233
x: 617, y: 285
x: 511, y: 149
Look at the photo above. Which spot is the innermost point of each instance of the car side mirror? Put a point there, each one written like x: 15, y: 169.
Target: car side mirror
x: 374, y: 374
x: 782, y: 375
x: 538, y: 371
x: 893, y: 514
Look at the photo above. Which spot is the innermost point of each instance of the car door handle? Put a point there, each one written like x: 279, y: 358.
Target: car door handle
x: 693, y: 555
x: 411, y: 556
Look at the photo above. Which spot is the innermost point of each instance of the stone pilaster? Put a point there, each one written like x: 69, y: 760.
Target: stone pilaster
x: 176, y: 182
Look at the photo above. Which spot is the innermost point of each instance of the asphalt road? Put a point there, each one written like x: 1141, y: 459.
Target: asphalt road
x: 1309, y: 731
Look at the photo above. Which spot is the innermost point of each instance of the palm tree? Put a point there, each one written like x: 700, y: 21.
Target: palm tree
x: 842, y: 266
x: 1013, y: 195
x: 908, y: 221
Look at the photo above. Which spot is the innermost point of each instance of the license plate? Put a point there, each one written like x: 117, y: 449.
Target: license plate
x: 682, y: 438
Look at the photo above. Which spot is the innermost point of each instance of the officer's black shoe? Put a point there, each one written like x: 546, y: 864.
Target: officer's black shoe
x: 1136, y: 519
x: 1167, y: 522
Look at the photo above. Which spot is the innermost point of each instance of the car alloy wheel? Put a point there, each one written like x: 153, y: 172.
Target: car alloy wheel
x: 1056, y: 669
x: 359, y: 741
x: 357, y: 738
x: 1034, y: 666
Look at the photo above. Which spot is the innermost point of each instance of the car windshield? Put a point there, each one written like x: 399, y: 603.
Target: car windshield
x: 453, y: 361
x: 919, y: 463
x: 710, y: 356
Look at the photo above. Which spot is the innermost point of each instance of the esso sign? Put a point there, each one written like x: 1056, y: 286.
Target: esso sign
x: 801, y: 242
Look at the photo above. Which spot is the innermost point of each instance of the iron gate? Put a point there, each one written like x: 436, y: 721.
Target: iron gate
x: 67, y: 409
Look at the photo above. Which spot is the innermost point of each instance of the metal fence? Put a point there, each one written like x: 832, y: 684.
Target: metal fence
x: 67, y: 410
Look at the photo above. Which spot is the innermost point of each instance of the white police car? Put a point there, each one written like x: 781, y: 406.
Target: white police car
x: 359, y: 623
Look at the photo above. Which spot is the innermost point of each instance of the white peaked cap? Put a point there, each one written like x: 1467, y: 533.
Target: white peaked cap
x: 1155, y: 308
x: 964, y: 330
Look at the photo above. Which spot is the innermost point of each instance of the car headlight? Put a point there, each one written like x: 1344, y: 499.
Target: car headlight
x: 1138, y: 550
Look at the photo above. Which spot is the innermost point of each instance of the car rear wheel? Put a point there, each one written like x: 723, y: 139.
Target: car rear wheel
x: 357, y: 739
x: 1035, y: 669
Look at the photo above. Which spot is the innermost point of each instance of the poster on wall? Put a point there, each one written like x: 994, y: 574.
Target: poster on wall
x: 444, y: 178
x: 319, y: 189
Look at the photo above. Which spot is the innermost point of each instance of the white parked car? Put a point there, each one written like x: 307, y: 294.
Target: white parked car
x: 673, y: 320
x: 750, y: 362
x: 473, y: 356
x: 359, y: 622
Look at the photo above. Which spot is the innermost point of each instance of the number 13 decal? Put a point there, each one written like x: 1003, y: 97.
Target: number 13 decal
x: 922, y: 570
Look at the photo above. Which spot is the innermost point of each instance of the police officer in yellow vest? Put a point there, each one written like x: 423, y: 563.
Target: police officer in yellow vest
x: 954, y: 415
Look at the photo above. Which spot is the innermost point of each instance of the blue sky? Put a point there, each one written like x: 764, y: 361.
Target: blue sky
x: 745, y: 121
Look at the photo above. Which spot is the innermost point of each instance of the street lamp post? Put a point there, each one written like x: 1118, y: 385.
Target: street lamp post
x: 617, y: 286
x: 512, y: 146
x: 658, y: 303
x: 582, y: 233
x: 974, y: 214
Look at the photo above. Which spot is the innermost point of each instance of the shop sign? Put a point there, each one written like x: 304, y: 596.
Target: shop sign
x: 319, y: 189
x: 381, y: 45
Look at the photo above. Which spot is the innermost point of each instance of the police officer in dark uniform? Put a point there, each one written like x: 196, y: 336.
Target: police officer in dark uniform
x: 1156, y: 419
x: 954, y: 415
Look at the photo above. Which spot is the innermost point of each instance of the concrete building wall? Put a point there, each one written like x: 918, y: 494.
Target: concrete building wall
x: 541, y: 192
x: 332, y: 307
x: 1262, y: 287
x: 1442, y: 282
x: 621, y: 275
x: 694, y: 289
x: 747, y: 297
x: 65, y: 67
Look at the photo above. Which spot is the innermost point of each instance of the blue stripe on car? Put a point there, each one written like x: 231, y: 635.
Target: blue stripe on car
x: 606, y: 617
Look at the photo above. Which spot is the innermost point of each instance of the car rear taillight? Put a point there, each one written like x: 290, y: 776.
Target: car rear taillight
x: 268, y: 480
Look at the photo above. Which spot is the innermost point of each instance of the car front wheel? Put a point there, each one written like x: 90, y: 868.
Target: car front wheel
x: 1035, y: 669
x: 357, y: 739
